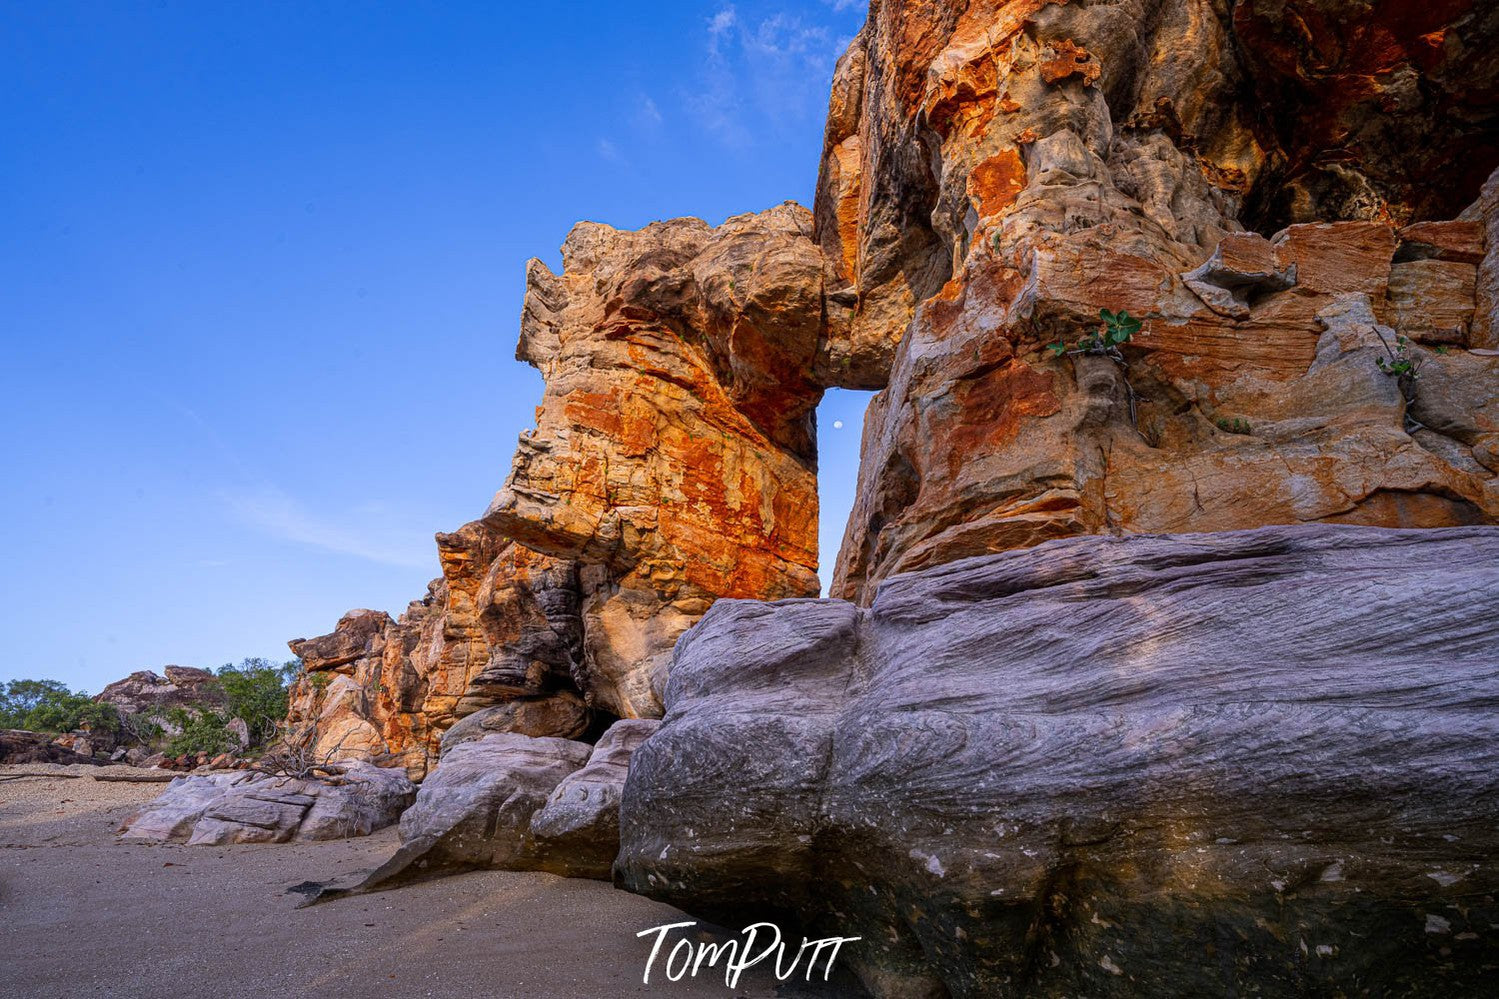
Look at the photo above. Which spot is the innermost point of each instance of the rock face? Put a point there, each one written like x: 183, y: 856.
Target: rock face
x: 995, y: 173
x: 674, y: 453
x: 249, y: 807
x: 1255, y: 182
x: 1208, y: 764
x: 498, y: 635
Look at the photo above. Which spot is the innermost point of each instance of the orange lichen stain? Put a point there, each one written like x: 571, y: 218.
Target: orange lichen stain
x: 1427, y: 51
x: 1027, y: 137
x: 594, y: 410
x: 940, y: 313
x: 1070, y: 59
x: 993, y: 407
x: 701, y: 458
x: 964, y: 106
x: 994, y: 184
x: 847, y: 158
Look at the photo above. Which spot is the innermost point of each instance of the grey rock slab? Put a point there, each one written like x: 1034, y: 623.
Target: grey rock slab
x: 474, y: 810
x: 1244, y: 762
x: 250, y: 807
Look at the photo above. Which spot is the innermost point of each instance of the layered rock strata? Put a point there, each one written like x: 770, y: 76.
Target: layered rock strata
x: 674, y: 454
x: 674, y: 463
x: 499, y: 633
x: 1207, y: 764
x: 996, y: 173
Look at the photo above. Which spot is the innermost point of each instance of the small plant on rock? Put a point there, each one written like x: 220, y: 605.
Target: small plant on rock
x: 1401, y: 363
x: 1404, y: 365
x: 1117, y: 329
x: 1234, y: 426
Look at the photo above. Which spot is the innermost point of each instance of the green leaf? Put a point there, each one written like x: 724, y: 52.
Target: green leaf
x: 1059, y: 348
x: 1105, y: 315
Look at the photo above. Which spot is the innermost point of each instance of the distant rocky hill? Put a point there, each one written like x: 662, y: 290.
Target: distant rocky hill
x: 145, y: 692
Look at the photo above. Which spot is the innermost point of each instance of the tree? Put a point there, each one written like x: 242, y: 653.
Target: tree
x: 19, y: 697
x: 49, y: 706
x: 256, y: 692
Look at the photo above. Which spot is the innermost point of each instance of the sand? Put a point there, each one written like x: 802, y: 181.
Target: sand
x: 82, y: 914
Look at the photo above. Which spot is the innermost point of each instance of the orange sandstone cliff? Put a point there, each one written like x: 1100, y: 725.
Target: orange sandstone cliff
x: 1284, y: 193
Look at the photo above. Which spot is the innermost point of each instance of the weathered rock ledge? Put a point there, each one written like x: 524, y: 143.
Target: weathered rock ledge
x: 1247, y: 762
x: 252, y: 807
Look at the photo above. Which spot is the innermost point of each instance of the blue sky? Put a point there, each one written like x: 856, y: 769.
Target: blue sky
x: 260, y: 272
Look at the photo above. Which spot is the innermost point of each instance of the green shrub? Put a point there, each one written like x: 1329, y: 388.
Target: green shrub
x: 19, y: 697
x: 49, y: 706
x: 205, y: 732
x: 256, y: 691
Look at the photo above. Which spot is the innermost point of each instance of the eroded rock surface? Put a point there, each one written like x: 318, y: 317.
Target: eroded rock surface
x: 673, y: 463
x: 1208, y: 764
x: 498, y: 635
x: 1275, y: 189
x: 995, y: 173
x: 251, y: 807
x: 674, y: 453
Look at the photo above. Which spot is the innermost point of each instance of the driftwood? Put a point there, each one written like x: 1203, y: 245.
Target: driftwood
x: 19, y: 776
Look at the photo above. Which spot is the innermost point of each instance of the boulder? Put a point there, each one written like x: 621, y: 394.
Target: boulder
x: 579, y: 824
x: 146, y: 696
x: 145, y: 692
x: 474, y: 811
x: 1211, y: 764
x: 20, y: 746
x: 253, y: 807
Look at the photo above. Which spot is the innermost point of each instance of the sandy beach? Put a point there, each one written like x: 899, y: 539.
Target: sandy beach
x: 82, y: 914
